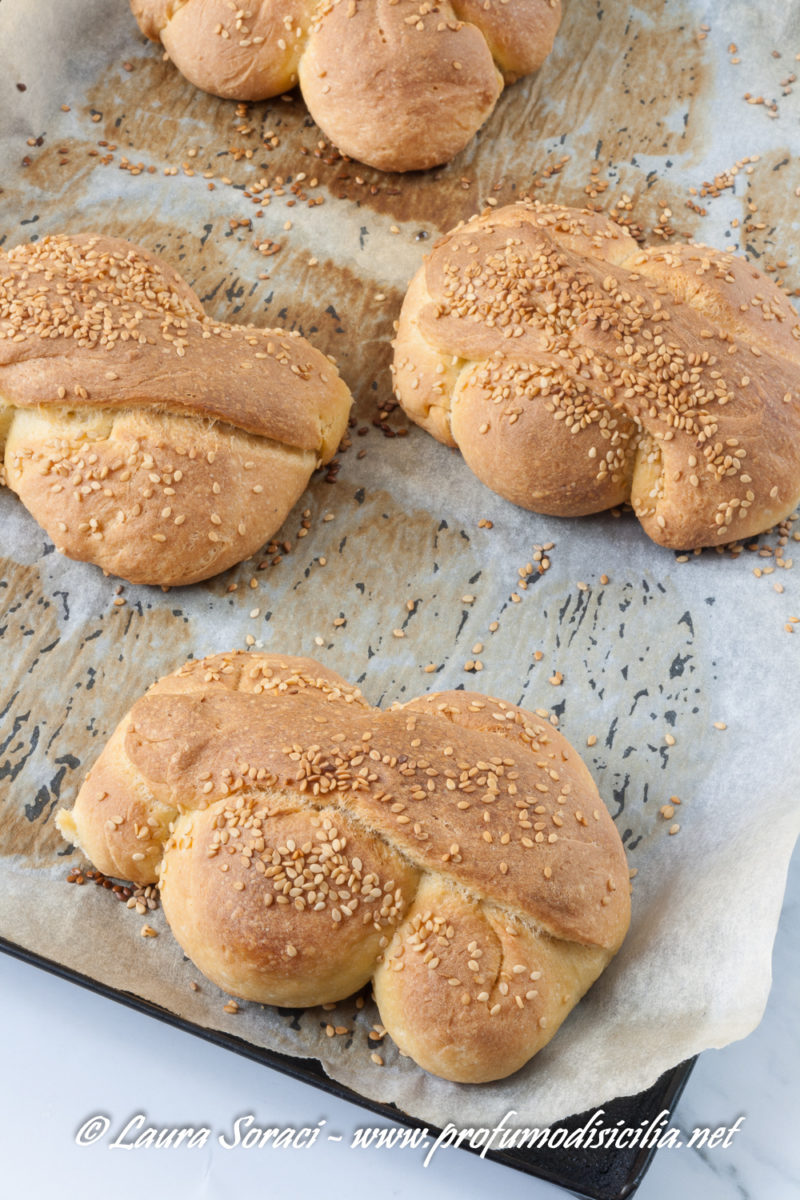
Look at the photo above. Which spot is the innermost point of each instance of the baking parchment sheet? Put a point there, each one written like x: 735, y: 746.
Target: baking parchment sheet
x: 641, y: 108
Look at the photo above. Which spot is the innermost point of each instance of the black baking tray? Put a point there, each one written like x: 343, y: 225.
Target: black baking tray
x: 593, y: 1174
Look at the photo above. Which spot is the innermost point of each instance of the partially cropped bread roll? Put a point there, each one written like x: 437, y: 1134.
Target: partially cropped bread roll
x: 398, y: 84
x: 575, y: 371
x: 142, y: 435
x: 454, y: 850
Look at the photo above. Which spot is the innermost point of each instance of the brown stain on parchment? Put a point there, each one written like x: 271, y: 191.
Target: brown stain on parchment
x: 632, y: 78
x: 65, y: 691
x: 33, y: 715
x: 329, y: 303
x: 383, y: 559
x: 764, y: 235
x: 378, y: 557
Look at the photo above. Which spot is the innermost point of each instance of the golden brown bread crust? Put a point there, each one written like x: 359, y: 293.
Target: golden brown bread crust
x: 576, y: 370
x: 454, y: 848
x: 404, y: 96
x: 498, y: 992
x: 221, y: 50
x: 142, y: 435
x: 282, y: 954
x: 399, y: 84
x: 520, y: 36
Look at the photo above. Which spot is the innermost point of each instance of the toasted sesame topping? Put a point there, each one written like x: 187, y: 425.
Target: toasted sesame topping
x: 635, y: 380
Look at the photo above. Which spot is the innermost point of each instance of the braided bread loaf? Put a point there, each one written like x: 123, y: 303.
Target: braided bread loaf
x: 576, y: 371
x: 143, y: 436
x: 454, y: 849
x: 397, y: 84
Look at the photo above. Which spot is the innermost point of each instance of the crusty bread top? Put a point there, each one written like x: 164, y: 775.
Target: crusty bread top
x: 397, y: 92
x: 95, y: 322
x: 399, y: 84
x: 478, y: 790
x: 519, y: 33
x: 685, y: 359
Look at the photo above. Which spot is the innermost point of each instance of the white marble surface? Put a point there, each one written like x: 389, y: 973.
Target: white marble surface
x: 68, y: 1055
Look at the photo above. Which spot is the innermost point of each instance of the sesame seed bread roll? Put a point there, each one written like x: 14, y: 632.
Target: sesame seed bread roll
x: 575, y: 371
x: 401, y: 85
x: 454, y: 849
x: 142, y: 435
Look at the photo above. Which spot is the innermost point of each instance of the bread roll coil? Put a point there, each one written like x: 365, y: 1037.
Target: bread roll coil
x: 576, y: 371
x: 398, y: 84
x: 454, y: 850
x: 142, y: 435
